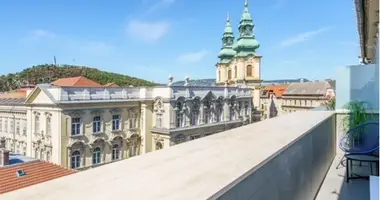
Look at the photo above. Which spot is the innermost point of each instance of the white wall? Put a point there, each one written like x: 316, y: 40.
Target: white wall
x: 358, y: 82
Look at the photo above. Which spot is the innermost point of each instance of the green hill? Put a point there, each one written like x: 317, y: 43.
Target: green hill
x: 48, y: 73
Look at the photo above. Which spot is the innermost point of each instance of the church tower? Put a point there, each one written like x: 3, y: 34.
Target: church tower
x: 239, y: 64
x: 247, y: 61
x: 226, y: 55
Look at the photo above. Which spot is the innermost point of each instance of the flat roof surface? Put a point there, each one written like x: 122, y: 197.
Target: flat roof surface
x: 193, y: 170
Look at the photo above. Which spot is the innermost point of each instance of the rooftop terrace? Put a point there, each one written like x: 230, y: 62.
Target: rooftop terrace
x: 286, y: 157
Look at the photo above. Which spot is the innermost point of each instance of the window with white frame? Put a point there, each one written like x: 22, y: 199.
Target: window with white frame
x: 96, y: 156
x: 97, y: 124
x: 115, y: 152
x: 133, y: 121
x: 76, y: 126
x: 116, y: 122
x: 6, y: 125
x: 159, y: 120
x: 75, y: 159
x: 18, y: 127
x: 48, y: 125
x: 23, y: 124
x: 36, y: 124
x: 12, y: 126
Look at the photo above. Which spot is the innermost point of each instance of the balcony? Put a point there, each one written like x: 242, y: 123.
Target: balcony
x: 289, y: 157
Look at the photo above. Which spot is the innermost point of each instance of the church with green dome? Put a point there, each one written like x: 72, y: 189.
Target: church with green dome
x: 239, y: 63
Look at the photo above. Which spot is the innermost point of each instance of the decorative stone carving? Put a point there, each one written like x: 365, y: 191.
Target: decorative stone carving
x: 158, y: 138
x: 97, y: 137
x: 159, y: 106
x: 76, y: 113
x: 115, y: 111
x: 47, y: 114
x: 97, y: 112
x: 76, y: 140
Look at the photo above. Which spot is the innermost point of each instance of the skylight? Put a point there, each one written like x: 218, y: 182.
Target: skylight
x: 20, y: 173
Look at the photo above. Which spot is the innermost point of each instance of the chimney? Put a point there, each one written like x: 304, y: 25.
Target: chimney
x: 4, y: 157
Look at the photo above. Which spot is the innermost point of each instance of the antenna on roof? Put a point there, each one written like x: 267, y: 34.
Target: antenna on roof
x: 55, y: 61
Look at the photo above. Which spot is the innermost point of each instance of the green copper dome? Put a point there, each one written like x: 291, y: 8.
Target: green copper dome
x: 227, y: 52
x: 246, y: 43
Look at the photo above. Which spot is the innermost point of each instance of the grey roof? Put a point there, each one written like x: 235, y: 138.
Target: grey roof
x: 12, y: 100
x: 307, y: 88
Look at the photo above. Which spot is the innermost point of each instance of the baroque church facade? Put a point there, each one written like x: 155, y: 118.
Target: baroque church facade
x: 239, y: 64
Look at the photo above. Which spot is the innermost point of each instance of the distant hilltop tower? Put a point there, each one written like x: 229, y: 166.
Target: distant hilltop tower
x: 239, y: 64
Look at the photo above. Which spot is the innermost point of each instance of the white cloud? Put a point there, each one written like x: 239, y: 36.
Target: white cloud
x: 148, y: 31
x: 302, y: 37
x: 159, y: 5
x: 40, y: 33
x: 192, y: 57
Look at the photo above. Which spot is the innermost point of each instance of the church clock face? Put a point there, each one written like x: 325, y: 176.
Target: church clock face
x: 250, y: 58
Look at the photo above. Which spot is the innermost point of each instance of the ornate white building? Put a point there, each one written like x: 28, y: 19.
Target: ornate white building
x: 82, y: 127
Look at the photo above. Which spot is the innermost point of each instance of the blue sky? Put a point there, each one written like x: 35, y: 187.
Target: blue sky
x: 151, y: 39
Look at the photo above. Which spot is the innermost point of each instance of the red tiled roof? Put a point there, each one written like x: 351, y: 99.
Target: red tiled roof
x: 278, y: 90
x: 111, y: 85
x: 36, y: 172
x: 78, y: 81
x: 16, y: 94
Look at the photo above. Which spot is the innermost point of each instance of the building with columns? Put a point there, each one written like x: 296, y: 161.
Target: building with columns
x: 239, y: 63
x: 84, y: 126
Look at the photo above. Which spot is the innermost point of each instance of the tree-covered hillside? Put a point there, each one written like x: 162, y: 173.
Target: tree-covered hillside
x: 48, y: 73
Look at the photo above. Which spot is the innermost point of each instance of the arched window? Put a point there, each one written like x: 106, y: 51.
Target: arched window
x: 75, y: 160
x: 37, y: 124
x: 115, y: 152
x: 249, y: 70
x: 207, y: 115
x: 96, y: 156
x: 179, y: 114
x: 229, y: 74
x: 195, y: 112
x: 159, y: 146
x: 219, y: 75
x: 48, y: 125
x: 235, y: 69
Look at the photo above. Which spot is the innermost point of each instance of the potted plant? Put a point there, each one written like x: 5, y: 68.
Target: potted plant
x: 357, y: 114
